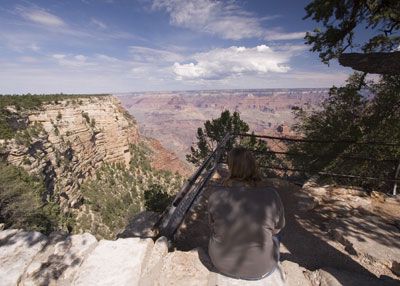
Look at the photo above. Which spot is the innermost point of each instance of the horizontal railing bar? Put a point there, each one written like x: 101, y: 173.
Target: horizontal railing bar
x: 338, y: 156
x: 331, y: 174
x: 320, y: 141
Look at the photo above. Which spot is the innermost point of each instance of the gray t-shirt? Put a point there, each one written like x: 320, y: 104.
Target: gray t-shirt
x: 242, y: 221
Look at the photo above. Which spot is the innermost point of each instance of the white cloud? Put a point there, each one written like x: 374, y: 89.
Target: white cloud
x: 99, y: 24
x: 236, y: 61
x: 40, y: 16
x: 72, y: 61
x: 82, y: 73
x: 107, y: 58
x: 145, y: 54
x: 225, y: 19
x: 35, y: 47
x: 273, y: 35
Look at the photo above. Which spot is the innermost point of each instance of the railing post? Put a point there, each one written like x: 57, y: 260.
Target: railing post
x: 396, y: 176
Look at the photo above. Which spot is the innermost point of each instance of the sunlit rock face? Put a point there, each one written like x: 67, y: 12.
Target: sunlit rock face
x: 72, y: 138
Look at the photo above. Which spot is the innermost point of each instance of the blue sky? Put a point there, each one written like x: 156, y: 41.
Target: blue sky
x: 85, y: 46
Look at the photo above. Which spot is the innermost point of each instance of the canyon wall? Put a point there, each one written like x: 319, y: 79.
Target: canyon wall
x: 66, y: 141
x: 173, y: 117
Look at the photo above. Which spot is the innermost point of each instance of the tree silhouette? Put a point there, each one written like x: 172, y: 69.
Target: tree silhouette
x: 342, y: 21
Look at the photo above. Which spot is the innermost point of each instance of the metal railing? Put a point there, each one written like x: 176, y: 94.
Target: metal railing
x: 285, y: 159
x: 174, y: 215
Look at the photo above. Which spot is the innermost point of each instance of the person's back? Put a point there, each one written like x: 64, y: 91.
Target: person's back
x: 243, y: 222
x: 244, y: 217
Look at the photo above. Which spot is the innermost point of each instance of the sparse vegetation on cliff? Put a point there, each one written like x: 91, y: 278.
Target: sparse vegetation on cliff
x: 80, y: 179
x: 86, y: 116
x: 117, y: 193
x: 22, y: 204
x: 12, y: 107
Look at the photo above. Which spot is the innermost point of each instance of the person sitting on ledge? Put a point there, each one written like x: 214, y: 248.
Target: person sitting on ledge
x: 245, y: 218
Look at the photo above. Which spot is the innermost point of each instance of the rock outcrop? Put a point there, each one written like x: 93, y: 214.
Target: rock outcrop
x: 30, y: 258
x: 66, y: 141
x: 71, y: 139
x: 359, y: 224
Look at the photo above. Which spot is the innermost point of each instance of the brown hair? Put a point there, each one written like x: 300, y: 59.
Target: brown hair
x: 242, y: 166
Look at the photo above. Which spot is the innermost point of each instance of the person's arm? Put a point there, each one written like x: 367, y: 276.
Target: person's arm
x: 210, y: 209
x: 280, y: 221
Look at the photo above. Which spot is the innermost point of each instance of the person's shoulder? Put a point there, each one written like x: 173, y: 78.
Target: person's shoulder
x: 267, y: 189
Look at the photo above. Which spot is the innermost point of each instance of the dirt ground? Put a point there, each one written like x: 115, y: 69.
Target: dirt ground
x: 326, y: 228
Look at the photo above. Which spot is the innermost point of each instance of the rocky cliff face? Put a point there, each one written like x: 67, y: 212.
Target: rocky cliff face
x: 96, y: 168
x: 173, y: 117
x: 67, y: 141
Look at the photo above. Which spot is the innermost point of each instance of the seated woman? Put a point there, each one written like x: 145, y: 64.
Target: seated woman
x: 244, y: 219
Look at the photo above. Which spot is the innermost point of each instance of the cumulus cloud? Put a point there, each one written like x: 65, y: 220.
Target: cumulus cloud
x: 225, y: 19
x: 40, y: 16
x: 236, y: 61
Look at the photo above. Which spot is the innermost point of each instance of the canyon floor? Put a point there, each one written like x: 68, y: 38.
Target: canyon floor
x: 173, y: 117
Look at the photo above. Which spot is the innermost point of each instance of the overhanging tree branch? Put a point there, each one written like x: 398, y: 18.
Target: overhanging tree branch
x: 379, y: 63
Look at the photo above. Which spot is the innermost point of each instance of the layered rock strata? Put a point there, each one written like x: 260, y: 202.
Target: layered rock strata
x: 71, y: 139
x: 67, y: 141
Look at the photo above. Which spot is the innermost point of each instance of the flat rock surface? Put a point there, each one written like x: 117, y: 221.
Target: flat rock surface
x: 294, y: 274
x: 59, y: 261
x: 114, y: 262
x: 17, y: 250
x: 183, y: 268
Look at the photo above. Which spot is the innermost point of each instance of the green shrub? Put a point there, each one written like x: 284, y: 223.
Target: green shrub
x: 86, y: 116
x: 21, y: 204
x: 117, y: 192
x: 56, y: 131
x: 156, y: 199
x: 29, y: 102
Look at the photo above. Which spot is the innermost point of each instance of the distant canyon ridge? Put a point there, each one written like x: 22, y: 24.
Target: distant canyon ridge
x: 173, y: 117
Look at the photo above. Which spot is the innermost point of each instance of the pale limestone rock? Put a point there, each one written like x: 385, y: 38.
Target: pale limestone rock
x: 379, y: 241
x: 80, y: 247
x: 17, y: 250
x: 276, y: 279
x: 7, y: 234
x: 193, y: 268
x: 182, y: 269
x: 306, y: 202
x: 295, y: 274
x: 336, y: 277
x: 59, y: 262
x: 114, y: 263
x: 152, y: 267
